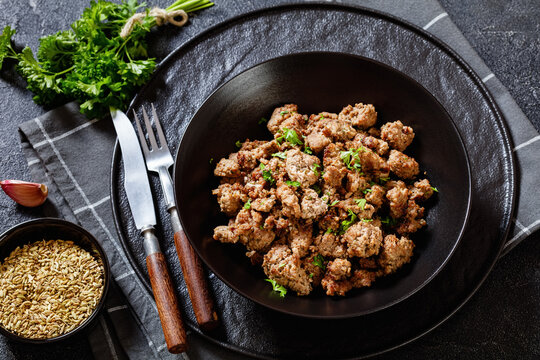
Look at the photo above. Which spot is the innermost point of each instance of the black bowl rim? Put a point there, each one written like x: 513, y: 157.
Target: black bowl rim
x: 365, y: 312
x: 106, y: 272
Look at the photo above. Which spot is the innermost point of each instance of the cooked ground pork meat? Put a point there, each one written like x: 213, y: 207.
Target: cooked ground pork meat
x: 330, y: 202
x: 395, y: 252
x: 403, y: 166
x: 397, y: 135
x: 363, y: 240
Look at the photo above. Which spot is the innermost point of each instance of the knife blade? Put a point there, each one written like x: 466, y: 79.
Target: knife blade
x: 136, y: 182
x: 141, y: 204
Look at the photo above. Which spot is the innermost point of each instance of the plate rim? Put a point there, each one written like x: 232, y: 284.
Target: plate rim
x: 361, y: 10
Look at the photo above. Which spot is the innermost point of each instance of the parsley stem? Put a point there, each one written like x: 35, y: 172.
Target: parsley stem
x: 190, y: 5
x: 64, y: 71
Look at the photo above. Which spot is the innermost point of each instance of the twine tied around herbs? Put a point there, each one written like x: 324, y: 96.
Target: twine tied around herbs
x: 162, y: 17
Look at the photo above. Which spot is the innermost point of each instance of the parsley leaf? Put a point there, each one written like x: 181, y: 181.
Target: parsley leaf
x: 318, y: 260
x: 278, y: 288
x: 389, y: 221
x: 211, y: 160
x: 335, y: 202
x: 367, y: 220
x: 280, y: 155
x: 247, y: 205
x: 361, y: 203
x: 366, y: 191
x: 308, y: 150
x: 351, y: 158
x: 238, y: 144
x: 434, y: 189
x: 292, y: 183
x: 283, y: 112
x: 317, y: 189
x: 346, y: 224
x: 289, y: 135
x: 314, y: 168
x: 329, y: 231
x: 5, y: 44
x: 267, y: 174
x: 384, y: 179
x: 263, y: 121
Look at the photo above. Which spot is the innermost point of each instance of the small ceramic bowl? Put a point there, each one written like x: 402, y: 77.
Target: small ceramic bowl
x: 53, y: 229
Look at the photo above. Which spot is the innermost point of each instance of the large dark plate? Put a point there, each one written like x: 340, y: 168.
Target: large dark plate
x: 195, y: 70
x: 232, y: 113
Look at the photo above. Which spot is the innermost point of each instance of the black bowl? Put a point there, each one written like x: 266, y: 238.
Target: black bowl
x: 322, y: 82
x: 53, y: 229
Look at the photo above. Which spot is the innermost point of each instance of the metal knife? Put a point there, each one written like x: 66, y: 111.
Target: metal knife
x: 141, y: 204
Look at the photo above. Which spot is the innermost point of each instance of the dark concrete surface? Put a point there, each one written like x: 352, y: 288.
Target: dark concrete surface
x: 501, y: 321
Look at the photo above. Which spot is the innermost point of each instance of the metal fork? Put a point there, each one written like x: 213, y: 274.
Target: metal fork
x: 159, y: 159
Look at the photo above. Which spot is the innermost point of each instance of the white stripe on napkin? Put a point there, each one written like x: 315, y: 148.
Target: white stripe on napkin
x: 91, y: 206
x: 108, y: 337
x: 492, y: 75
x: 536, y: 138
x: 67, y: 133
x: 435, y: 19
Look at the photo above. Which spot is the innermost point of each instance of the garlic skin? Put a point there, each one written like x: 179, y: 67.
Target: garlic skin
x: 25, y: 193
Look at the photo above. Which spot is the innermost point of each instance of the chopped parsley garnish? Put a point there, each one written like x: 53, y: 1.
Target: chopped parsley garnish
x: 267, y: 176
x: 329, y: 231
x: 311, y: 275
x: 367, y: 220
x: 278, y: 288
x: 211, y: 160
x: 283, y: 112
x: 361, y: 203
x: 389, y: 221
x: 247, y: 205
x: 351, y: 158
x: 314, y: 168
x: 261, y: 227
x: 334, y: 203
x: 434, y: 189
x: 263, y: 121
x: 308, y: 150
x: 281, y: 266
x: 280, y: 155
x: 317, y: 189
x: 289, y: 135
x: 238, y: 144
x: 318, y: 260
x: 292, y: 183
x: 366, y: 191
x: 346, y: 224
x: 384, y: 179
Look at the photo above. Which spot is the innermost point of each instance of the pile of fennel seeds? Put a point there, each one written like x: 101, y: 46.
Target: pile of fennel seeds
x: 48, y: 288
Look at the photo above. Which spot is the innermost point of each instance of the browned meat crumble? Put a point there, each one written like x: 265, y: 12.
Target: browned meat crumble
x: 332, y: 201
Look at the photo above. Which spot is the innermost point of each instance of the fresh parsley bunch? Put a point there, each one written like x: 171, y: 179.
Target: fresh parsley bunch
x: 91, y: 63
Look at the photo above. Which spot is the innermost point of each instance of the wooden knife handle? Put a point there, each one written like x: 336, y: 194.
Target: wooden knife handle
x: 167, y: 303
x: 202, y: 303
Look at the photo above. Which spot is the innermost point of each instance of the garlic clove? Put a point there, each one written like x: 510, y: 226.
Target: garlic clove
x: 25, y: 193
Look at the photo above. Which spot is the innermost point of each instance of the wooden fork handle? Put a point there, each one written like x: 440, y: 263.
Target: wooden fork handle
x: 195, y: 279
x: 167, y: 303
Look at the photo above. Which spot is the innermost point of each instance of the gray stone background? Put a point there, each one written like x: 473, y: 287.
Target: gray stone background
x: 502, y: 320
